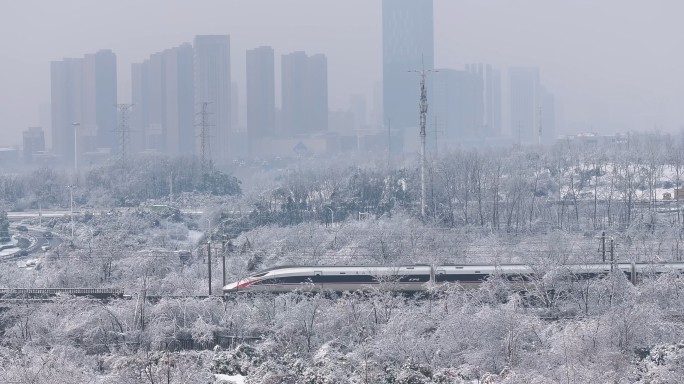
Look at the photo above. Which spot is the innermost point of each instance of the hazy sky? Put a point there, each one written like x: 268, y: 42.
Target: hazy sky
x: 613, y: 64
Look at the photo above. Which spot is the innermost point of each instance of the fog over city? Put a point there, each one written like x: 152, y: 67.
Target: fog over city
x: 341, y: 192
x: 611, y: 64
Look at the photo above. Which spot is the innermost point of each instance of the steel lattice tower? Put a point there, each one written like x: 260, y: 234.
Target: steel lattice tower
x: 423, y: 105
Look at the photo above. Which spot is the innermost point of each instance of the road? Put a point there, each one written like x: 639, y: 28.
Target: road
x: 38, y: 240
x: 29, y: 214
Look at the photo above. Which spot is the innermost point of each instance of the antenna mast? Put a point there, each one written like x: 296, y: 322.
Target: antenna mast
x: 423, y: 105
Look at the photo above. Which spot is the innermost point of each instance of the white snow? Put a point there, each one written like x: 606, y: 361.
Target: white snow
x: 227, y: 379
x: 195, y: 236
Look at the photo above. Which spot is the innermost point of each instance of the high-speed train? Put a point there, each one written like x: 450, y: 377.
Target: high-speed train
x: 413, y: 278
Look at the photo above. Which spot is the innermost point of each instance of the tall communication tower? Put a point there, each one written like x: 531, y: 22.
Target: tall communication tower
x: 124, y: 131
x: 205, y: 135
x: 423, y: 105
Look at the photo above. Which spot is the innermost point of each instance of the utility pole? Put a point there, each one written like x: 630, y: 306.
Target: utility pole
x: 612, y: 255
x: 71, y: 209
x: 389, y: 143
x: 124, y: 131
x: 603, y: 245
x: 223, y: 264
x: 539, y: 123
x: 171, y: 187
x: 76, y: 125
x: 423, y: 105
x: 205, y: 147
x: 209, y: 263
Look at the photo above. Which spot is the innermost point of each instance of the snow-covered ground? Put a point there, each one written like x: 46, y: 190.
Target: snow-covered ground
x: 9, y: 251
x: 228, y: 379
x: 10, y: 248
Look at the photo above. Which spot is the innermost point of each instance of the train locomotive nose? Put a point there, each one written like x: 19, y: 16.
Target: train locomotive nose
x: 232, y: 287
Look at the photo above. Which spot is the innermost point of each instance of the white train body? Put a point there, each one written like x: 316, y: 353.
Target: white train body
x: 413, y: 278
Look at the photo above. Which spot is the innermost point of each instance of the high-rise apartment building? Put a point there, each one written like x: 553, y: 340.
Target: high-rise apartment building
x: 260, y: 95
x: 304, y: 93
x: 294, y: 101
x: 84, y: 97
x: 457, y: 106
x: 408, y: 45
x: 162, y: 119
x: 100, y: 98
x: 65, y: 80
x: 525, y: 99
x: 318, y: 92
x: 213, y: 87
x: 488, y: 100
x: 34, y: 142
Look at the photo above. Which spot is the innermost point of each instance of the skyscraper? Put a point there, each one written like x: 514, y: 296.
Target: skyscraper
x: 100, y: 97
x: 65, y: 79
x: 525, y: 102
x: 34, y: 142
x: 318, y: 92
x: 294, y: 103
x: 488, y: 100
x: 163, y: 115
x: 304, y: 93
x: 408, y: 44
x: 260, y: 95
x: 457, y: 106
x: 83, y: 91
x: 213, y: 86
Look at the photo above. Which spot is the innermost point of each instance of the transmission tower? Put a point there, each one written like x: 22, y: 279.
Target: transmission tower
x: 124, y: 131
x: 423, y: 105
x: 205, y: 135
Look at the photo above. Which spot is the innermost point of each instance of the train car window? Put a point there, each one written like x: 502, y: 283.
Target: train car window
x: 409, y: 267
x: 477, y: 272
x: 343, y: 273
x: 459, y: 267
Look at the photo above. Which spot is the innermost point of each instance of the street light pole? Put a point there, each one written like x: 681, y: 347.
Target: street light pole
x: 209, y: 252
x: 209, y: 263
x: 71, y: 209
